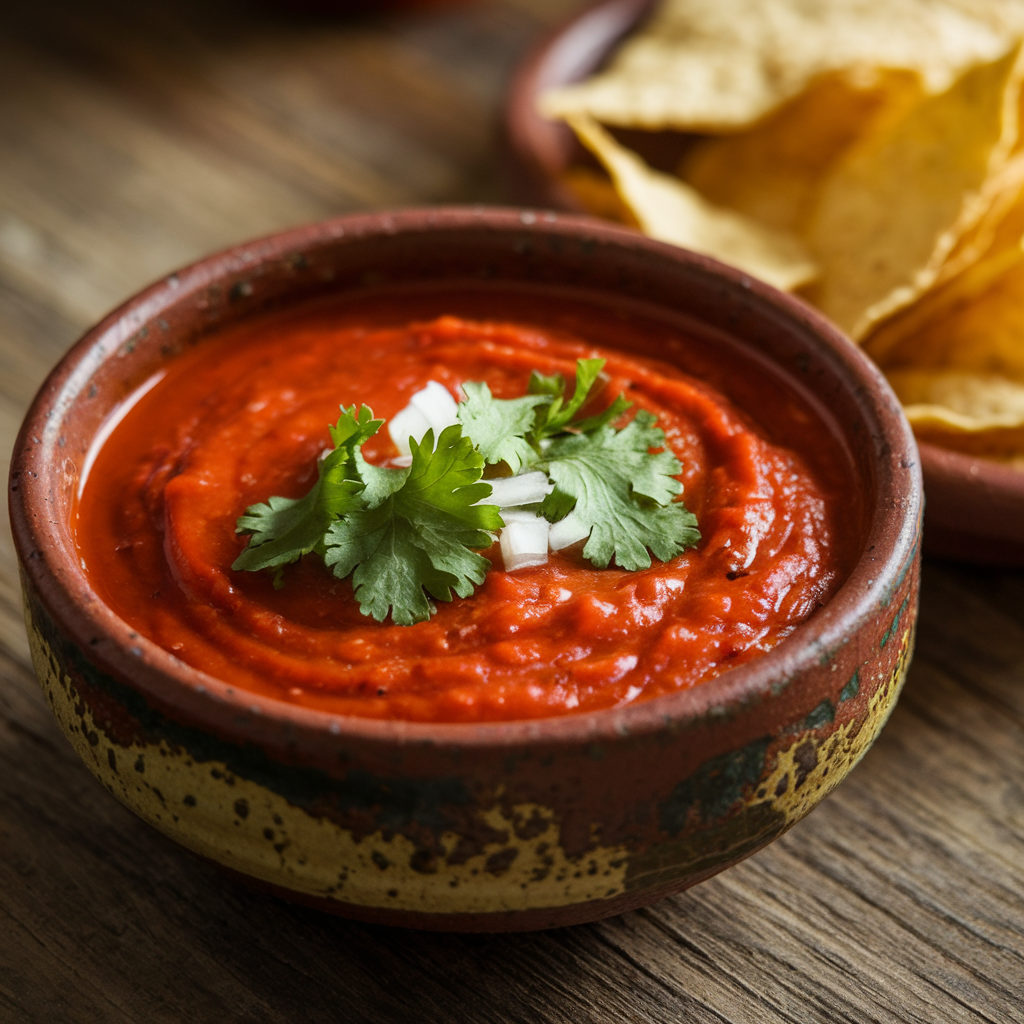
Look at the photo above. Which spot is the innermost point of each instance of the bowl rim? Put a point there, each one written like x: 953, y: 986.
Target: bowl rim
x: 59, y: 580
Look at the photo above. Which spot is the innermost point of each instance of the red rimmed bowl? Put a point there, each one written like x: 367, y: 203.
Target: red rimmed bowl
x: 493, y: 826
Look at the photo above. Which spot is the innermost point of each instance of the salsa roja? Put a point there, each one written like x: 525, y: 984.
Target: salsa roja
x: 241, y: 417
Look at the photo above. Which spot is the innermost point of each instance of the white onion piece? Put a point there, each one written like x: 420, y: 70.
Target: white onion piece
x: 525, y: 489
x: 567, y: 531
x: 410, y: 422
x: 518, y: 515
x: 524, y: 543
x: 400, y: 462
x: 437, y: 406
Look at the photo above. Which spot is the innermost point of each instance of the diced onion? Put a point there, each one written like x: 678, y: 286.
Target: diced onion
x: 410, y: 422
x: 431, y: 408
x: 525, y: 489
x: 437, y: 406
x: 518, y: 515
x: 524, y: 542
x: 567, y: 531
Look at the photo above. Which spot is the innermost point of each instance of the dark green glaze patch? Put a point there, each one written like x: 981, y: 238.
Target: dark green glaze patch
x: 714, y: 789
x: 706, y: 851
x: 824, y: 714
x: 894, y: 588
x: 895, y: 624
x: 851, y: 689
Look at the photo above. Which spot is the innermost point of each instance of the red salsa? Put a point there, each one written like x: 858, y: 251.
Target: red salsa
x: 243, y: 416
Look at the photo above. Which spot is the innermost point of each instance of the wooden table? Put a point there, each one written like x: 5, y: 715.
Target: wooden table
x: 135, y: 137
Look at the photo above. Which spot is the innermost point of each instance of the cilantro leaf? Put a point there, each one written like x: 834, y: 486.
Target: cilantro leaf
x: 499, y: 428
x: 417, y: 539
x: 613, y: 483
x: 560, y: 412
x: 544, y: 384
x: 284, y: 529
x: 613, y: 412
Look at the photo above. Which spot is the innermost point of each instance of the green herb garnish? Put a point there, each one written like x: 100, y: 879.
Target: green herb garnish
x: 409, y: 535
x: 613, y: 484
x: 418, y: 534
x: 285, y: 529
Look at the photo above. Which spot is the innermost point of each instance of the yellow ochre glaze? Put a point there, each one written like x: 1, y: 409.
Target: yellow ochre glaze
x: 248, y: 828
x: 207, y: 808
x: 805, y: 773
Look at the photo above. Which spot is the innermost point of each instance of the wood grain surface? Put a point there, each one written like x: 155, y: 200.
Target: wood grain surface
x: 136, y: 137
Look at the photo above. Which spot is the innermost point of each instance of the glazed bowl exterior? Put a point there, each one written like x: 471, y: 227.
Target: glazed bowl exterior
x: 492, y: 826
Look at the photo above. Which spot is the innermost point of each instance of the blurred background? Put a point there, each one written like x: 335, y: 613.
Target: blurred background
x: 136, y: 137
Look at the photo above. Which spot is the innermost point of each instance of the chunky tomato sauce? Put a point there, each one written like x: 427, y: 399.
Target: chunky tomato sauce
x: 244, y: 416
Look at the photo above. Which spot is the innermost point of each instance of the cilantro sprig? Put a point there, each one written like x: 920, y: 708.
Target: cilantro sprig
x: 418, y: 534
x: 410, y: 536
x: 284, y: 529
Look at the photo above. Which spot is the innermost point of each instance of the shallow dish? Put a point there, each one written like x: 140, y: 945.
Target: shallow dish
x: 975, y: 508
x: 491, y: 826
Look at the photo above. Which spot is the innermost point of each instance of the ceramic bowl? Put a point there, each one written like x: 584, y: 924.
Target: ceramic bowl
x: 975, y: 507
x: 492, y: 826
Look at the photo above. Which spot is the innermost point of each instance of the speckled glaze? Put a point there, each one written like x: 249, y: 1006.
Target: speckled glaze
x: 494, y: 826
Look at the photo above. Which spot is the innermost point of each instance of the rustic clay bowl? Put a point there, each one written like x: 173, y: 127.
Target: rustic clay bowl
x: 975, y: 509
x: 477, y: 827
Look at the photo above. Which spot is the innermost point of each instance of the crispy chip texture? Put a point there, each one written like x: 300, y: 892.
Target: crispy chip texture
x: 914, y: 336
x: 893, y: 208
x: 959, y: 370
x: 974, y: 413
x: 719, y: 65
x: 1000, y: 227
x: 668, y: 209
x: 968, y: 400
x: 772, y: 171
x: 979, y: 331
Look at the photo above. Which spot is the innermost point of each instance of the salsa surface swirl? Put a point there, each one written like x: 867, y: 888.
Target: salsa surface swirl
x: 244, y: 416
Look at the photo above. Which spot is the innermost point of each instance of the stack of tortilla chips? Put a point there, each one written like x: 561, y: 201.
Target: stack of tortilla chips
x: 868, y: 154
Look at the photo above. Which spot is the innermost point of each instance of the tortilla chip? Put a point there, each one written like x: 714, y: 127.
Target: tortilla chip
x: 893, y: 208
x: 915, y: 336
x: 972, y: 401
x: 771, y: 172
x: 1004, y: 16
x: 981, y: 333
x: 669, y: 210
x: 1000, y: 227
x: 720, y: 65
x: 979, y: 414
x: 992, y: 248
x: 596, y: 194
